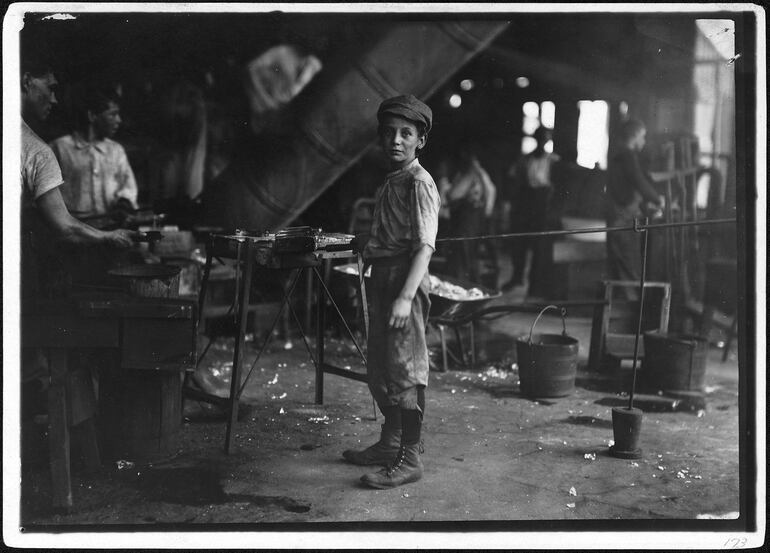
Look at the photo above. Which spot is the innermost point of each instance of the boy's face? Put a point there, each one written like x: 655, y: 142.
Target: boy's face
x: 106, y: 123
x: 400, y: 140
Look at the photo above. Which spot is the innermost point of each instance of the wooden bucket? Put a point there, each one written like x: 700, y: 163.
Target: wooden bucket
x: 140, y: 415
x: 674, y: 362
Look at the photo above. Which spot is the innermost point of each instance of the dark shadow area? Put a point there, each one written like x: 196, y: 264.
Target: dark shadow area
x: 200, y: 486
x: 588, y: 421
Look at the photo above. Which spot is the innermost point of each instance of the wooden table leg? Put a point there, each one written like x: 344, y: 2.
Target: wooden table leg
x: 362, y: 295
x: 473, y: 346
x: 243, y: 313
x: 442, y: 332
x: 320, y: 325
x: 58, y: 430
x: 205, y: 281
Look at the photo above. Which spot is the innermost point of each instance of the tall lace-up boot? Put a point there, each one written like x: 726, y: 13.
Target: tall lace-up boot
x: 405, y: 468
x: 380, y: 453
x: 384, y: 451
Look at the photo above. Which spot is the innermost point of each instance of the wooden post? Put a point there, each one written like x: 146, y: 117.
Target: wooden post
x: 58, y: 430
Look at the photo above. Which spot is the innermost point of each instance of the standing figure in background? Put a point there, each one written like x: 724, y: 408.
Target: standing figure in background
x: 627, y: 188
x: 533, y: 190
x: 179, y: 165
x: 471, y: 198
x: 97, y: 176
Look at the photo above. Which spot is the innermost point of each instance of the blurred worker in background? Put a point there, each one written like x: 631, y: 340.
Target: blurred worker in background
x: 471, y: 197
x: 97, y: 176
x: 531, y: 212
x: 627, y: 190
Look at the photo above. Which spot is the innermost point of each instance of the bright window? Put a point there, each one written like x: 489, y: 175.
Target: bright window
x: 534, y: 116
x: 547, y: 114
x: 593, y: 133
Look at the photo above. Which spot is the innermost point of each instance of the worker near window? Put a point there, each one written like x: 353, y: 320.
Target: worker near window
x: 532, y: 212
x: 97, y: 175
x: 471, y: 197
x: 399, y: 248
x: 628, y: 188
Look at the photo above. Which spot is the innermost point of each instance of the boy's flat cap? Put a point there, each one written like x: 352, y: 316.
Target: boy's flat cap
x: 409, y: 107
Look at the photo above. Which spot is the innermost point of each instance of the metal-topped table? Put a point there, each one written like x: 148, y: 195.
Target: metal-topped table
x: 293, y: 253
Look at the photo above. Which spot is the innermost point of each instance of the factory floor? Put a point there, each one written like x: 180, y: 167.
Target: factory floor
x: 491, y: 455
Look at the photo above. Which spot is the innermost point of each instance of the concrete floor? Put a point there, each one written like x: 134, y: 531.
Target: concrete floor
x: 490, y: 453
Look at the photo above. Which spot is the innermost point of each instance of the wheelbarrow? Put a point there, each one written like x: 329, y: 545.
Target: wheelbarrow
x: 455, y: 312
x: 447, y: 309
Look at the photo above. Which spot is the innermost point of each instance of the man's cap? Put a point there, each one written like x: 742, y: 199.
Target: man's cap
x: 408, y: 107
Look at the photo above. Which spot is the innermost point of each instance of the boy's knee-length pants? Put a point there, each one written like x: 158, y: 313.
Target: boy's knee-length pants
x: 397, y: 359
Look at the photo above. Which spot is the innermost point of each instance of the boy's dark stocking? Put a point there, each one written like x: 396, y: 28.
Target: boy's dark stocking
x: 386, y: 448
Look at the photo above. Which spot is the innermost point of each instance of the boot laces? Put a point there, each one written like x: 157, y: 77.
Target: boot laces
x: 399, y: 460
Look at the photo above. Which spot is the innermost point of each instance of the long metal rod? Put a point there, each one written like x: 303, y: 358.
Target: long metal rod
x: 337, y: 309
x: 588, y: 230
x: 299, y: 327
x: 641, y: 311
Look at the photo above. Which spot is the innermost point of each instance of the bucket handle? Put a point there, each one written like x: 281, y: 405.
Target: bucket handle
x: 546, y: 308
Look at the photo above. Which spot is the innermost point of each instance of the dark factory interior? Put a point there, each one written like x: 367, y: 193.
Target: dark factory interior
x: 210, y: 371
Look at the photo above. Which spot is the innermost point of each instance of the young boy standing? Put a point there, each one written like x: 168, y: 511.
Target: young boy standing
x: 402, y: 241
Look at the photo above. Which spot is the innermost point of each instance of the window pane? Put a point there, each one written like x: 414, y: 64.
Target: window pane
x: 530, y: 124
x: 530, y: 109
x: 528, y: 144
x: 547, y: 114
x: 593, y: 136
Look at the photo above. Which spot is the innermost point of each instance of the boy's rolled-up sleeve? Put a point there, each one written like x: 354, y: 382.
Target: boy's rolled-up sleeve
x: 127, y: 188
x: 426, y: 203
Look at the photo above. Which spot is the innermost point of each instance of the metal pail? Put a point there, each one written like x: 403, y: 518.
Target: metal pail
x: 547, y: 362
